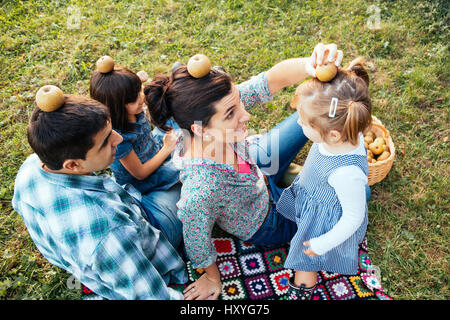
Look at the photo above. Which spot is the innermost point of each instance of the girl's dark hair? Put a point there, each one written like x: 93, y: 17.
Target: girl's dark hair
x: 66, y: 133
x: 115, y: 89
x: 185, y: 98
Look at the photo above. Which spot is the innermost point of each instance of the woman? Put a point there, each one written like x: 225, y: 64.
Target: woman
x: 226, y: 179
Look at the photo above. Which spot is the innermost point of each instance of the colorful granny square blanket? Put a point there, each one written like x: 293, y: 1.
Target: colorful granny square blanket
x: 254, y: 273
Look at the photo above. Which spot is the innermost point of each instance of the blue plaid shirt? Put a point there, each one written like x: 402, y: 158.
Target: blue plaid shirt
x: 94, y: 229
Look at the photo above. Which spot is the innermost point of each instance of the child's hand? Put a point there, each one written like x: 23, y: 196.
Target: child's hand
x: 321, y: 51
x: 170, y: 140
x: 204, y: 288
x: 308, y: 251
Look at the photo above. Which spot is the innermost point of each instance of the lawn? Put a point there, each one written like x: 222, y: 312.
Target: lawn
x: 51, y: 42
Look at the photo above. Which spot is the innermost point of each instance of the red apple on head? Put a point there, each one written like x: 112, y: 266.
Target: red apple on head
x: 199, y: 66
x: 105, y: 64
x: 49, y: 98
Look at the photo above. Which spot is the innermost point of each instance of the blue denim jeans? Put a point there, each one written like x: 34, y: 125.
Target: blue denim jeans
x: 273, y: 152
x: 161, y: 209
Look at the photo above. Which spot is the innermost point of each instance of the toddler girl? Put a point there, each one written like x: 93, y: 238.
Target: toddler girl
x: 328, y: 198
x: 143, y: 159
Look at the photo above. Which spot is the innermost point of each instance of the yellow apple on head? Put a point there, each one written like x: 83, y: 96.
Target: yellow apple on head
x: 326, y: 72
x: 49, y: 98
x: 376, y: 148
x: 199, y: 66
x: 105, y: 64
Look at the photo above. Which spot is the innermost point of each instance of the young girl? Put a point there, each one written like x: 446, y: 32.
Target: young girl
x: 143, y: 159
x: 328, y: 198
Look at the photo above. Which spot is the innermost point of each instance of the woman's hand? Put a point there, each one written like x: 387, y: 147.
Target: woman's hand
x: 292, y: 71
x: 324, y: 53
x: 204, y: 288
x: 309, y: 251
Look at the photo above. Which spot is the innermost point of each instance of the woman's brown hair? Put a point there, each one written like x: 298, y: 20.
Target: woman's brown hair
x: 115, y: 89
x: 353, y: 113
x: 185, y: 98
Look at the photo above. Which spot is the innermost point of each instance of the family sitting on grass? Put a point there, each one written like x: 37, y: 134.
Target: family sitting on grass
x: 127, y: 236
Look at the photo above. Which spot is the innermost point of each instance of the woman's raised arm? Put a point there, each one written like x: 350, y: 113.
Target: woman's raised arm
x: 292, y: 71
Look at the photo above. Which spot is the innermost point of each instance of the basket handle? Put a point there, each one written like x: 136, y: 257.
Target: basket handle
x: 386, y: 131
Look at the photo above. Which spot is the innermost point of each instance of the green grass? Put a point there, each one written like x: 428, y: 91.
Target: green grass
x: 409, y: 54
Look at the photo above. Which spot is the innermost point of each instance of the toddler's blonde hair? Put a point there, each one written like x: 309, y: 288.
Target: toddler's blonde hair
x: 353, y: 112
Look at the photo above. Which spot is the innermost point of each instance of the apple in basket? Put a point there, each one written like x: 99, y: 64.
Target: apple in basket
x: 377, y: 148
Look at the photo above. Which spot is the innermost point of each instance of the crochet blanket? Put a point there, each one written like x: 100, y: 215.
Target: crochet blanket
x: 253, y: 273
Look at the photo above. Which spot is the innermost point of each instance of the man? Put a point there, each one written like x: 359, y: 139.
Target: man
x: 88, y: 224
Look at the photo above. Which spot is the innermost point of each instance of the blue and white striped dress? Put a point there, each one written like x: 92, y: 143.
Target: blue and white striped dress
x: 313, y: 204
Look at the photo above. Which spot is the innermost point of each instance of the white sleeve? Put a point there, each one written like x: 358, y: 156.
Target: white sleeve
x: 349, y: 183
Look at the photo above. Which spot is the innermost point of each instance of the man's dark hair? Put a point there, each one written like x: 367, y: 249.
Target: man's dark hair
x: 67, y: 133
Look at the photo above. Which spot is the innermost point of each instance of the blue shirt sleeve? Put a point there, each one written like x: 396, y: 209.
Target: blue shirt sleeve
x: 125, y: 147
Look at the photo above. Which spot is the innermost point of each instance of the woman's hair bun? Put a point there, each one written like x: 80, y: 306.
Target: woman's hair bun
x: 157, y: 102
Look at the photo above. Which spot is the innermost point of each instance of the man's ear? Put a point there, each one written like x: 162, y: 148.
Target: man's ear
x: 72, y: 165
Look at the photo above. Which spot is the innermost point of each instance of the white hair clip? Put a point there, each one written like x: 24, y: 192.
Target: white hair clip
x: 333, y: 107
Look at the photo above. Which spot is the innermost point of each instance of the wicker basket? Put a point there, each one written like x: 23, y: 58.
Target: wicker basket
x: 379, y: 170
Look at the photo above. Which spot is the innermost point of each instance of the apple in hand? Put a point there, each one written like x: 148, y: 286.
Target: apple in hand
x: 49, y: 98
x: 199, y: 66
x: 326, y: 72
x: 105, y: 64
